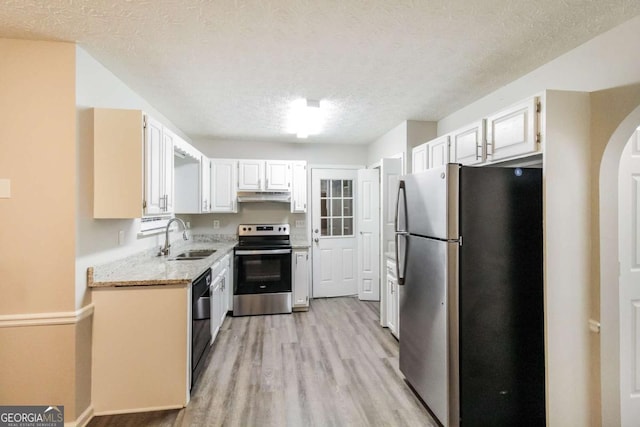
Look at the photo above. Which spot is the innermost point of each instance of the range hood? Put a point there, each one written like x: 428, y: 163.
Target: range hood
x: 264, y: 196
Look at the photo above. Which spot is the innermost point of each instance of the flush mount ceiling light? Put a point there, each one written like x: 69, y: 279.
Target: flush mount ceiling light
x: 305, y: 118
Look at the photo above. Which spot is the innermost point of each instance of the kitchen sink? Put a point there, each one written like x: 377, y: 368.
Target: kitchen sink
x: 193, y: 255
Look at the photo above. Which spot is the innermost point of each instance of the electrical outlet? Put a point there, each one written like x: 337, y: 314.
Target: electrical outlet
x: 188, y: 224
x: 120, y: 237
x: 300, y: 223
x: 216, y: 224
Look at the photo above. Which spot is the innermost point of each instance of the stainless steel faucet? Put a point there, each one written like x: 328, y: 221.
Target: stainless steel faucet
x: 165, y: 249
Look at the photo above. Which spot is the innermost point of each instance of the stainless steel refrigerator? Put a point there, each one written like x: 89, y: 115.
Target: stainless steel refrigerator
x: 469, y: 254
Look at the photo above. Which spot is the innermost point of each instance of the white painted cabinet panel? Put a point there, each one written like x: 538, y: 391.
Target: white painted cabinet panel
x: 250, y: 175
x: 299, y: 187
x: 393, y: 299
x: 167, y: 170
x: 153, y: 160
x: 419, y: 158
x: 205, y: 184
x: 301, y: 275
x: 513, y: 132
x: 467, y: 144
x: 277, y: 175
x: 215, y: 298
x: 438, y: 154
x: 224, y: 185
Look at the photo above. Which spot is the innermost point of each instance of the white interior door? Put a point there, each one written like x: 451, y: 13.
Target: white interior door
x: 629, y: 223
x: 333, y: 195
x: 368, y: 225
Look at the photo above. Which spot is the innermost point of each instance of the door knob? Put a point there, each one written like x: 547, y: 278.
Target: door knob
x: 315, y: 231
x: 316, y: 240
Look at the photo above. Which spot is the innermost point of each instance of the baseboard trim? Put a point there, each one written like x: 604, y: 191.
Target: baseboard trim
x: 42, y: 319
x: 83, y: 419
x: 135, y: 410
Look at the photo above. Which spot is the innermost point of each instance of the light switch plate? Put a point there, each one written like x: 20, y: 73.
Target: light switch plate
x: 121, y: 237
x: 300, y: 223
x: 5, y: 188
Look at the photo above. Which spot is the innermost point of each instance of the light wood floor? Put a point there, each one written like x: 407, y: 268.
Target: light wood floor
x: 331, y: 366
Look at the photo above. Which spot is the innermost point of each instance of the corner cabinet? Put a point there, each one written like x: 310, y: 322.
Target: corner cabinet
x: 132, y: 165
x: 224, y: 194
x: 298, y: 187
x: 301, y: 279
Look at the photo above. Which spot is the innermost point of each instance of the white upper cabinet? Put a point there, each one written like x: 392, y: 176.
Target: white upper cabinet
x: 438, y: 154
x: 153, y: 161
x: 224, y: 197
x: 250, y: 175
x: 261, y: 175
x: 277, y: 175
x: 205, y: 184
x: 158, y: 171
x: 514, y: 131
x: 298, y: 187
x: 467, y: 144
x: 419, y: 158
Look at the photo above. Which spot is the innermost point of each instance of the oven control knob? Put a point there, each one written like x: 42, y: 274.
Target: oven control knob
x: 249, y: 228
x: 244, y: 228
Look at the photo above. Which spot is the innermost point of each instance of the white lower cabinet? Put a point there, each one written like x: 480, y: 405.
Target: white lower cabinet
x: 216, y: 306
x: 301, y: 279
x: 393, y: 300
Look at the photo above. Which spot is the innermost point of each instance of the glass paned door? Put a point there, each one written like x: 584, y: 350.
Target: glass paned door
x: 336, y: 207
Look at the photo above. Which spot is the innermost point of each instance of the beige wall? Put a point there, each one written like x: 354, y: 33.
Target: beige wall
x: 37, y: 83
x: 39, y: 362
x: 615, y: 115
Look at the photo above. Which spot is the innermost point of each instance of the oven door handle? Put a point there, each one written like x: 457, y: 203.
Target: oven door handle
x: 264, y: 252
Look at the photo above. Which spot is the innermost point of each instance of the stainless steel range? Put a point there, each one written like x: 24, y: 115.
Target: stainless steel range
x: 262, y: 267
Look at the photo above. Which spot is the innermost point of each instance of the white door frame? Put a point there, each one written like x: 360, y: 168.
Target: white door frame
x: 609, y: 269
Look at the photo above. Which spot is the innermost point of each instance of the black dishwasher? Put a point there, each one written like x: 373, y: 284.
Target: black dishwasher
x: 200, y: 324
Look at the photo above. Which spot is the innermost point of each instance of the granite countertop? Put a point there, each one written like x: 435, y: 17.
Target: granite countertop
x: 147, y: 269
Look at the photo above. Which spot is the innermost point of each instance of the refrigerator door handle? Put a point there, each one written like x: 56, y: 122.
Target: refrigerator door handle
x: 401, y: 189
x: 399, y: 276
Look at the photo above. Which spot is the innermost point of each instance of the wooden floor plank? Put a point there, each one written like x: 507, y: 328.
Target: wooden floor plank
x: 331, y: 366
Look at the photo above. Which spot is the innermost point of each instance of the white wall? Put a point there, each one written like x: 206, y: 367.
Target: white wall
x: 400, y: 140
x: 97, y: 239
x: 337, y: 154
x: 607, y: 61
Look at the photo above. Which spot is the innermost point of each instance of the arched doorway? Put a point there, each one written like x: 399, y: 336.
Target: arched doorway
x: 609, y: 270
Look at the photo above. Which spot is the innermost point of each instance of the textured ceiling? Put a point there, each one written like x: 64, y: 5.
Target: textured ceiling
x: 228, y: 69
